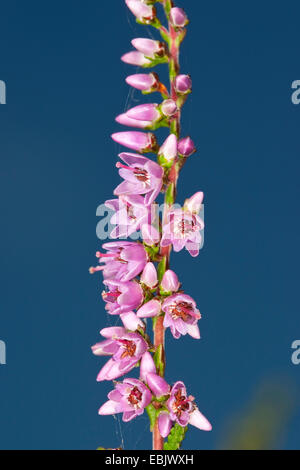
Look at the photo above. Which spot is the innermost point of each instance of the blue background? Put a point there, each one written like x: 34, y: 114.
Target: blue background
x: 65, y: 85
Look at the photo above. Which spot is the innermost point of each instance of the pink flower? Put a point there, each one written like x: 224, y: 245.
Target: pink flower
x: 181, y: 315
x: 131, y: 321
x: 145, y: 112
x: 122, y: 297
x: 183, y: 84
x: 182, y: 230
x: 149, y: 309
x: 125, y: 120
x: 130, y: 397
x: 169, y: 107
x: 178, y: 17
x: 170, y: 281
x: 149, y: 276
x: 123, y: 260
x: 144, y: 82
x: 139, y: 141
x: 144, y: 13
x: 150, y: 235
x: 183, y: 410
x: 169, y: 148
x: 142, y: 176
x: 193, y: 205
x: 136, y: 58
x: 126, y: 348
x: 164, y: 424
x: 130, y: 215
x: 147, y: 366
x: 149, y: 47
x: 157, y: 384
x: 186, y: 147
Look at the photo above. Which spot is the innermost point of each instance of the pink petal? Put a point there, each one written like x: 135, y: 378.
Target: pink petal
x: 164, y: 424
x: 131, y: 321
x: 113, y: 331
x: 158, y: 385
x: 150, y: 309
x: 147, y: 366
x: 199, y: 421
x: 110, y: 408
x: 193, y: 331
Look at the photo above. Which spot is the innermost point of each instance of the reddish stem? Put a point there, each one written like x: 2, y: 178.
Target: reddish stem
x: 159, y: 330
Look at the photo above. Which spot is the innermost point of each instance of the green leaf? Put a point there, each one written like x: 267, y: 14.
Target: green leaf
x: 152, y: 413
x: 158, y: 360
x: 175, y: 438
x: 170, y: 195
x: 161, y: 269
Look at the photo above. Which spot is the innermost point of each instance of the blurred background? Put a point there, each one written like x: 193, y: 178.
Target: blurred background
x: 65, y: 85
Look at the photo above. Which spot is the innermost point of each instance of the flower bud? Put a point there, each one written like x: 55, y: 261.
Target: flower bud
x: 170, y: 281
x: 147, y: 366
x: 150, y: 309
x: 164, y: 424
x: 145, y: 112
x: 125, y: 120
x: 138, y: 141
x: 178, y: 17
x: 149, y: 47
x: 150, y: 235
x: 158, y: 385
x: 169, y: 148
x: 143, y: 12
x: 194, y: 203
x: 169, y: 108
x: 183, y: 84
x: 131, y: 321
x: 186, y: 147
x: 143, y: 82
x: 135, y: 58
x: 149, y: 276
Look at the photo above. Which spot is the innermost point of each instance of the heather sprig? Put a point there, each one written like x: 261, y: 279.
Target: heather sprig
x: 138, y: 281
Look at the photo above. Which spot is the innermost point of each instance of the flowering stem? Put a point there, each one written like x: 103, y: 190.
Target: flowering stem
x: 159, y: 330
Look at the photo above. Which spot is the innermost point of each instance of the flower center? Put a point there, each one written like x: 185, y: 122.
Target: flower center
x: 181, y: 403
x: 182, y: 310
x: 110, y: 296
x: 186, y: 226
x: 139, y: 173
x: 135, y: 396
x: 129, y: 348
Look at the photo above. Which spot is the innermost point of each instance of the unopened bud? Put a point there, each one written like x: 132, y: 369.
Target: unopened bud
x: 144, y: 82
x: 150, y: 235
x: 186, y: 147
x: 170, y: 281
x: 194, y: 203
x: 135, y: 58
x: 169, y: 108
x: 178, y: 17
x: 144, y: 13
x: 145, y: 112
x: 169, y: 148
x: 125, y: 120
x: 149, y: 276
x: 183, y: 84
x: 138, y: 141
x: 149, y: 47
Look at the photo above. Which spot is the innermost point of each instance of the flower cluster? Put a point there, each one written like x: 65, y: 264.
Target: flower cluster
x: 138, y: 283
